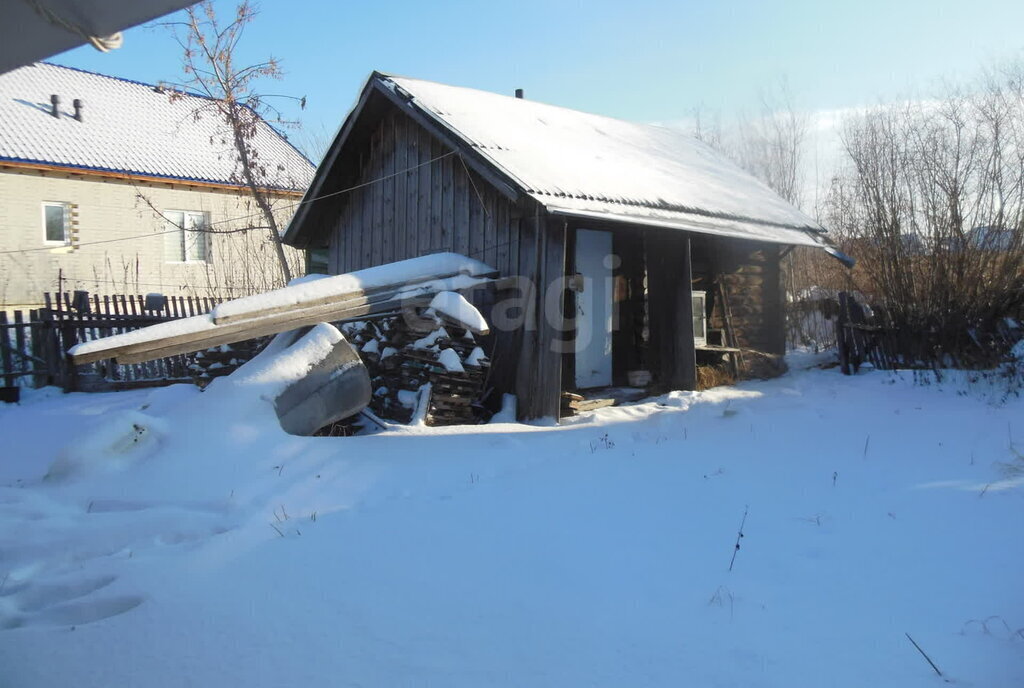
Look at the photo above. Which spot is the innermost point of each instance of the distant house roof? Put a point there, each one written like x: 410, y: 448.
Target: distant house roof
x: 129, y: 128
x: 590, y: 166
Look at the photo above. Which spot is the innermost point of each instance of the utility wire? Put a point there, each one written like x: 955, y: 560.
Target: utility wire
x: 234, y: 219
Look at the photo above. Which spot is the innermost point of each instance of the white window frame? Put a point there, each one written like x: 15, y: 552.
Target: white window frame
x: 183, y: 258
x: 703, y: 296
x: 66, y: 209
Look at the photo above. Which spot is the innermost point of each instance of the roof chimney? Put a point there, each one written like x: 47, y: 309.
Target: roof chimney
x: 77, y: 102
x: 519, y: 93
x: 55, y: 101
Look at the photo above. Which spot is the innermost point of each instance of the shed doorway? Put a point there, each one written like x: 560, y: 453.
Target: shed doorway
x: 594, y: 262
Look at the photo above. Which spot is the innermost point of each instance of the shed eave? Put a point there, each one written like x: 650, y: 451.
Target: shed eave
x: 736, y: 229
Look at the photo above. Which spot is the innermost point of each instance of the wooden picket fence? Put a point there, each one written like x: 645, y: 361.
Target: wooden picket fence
x: 34, y: 345
x: 867, y: 335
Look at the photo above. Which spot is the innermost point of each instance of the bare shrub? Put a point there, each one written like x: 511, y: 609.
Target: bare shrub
x: 931, y: 203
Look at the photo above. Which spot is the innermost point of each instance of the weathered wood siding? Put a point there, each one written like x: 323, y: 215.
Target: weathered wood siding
x: 415, y: 198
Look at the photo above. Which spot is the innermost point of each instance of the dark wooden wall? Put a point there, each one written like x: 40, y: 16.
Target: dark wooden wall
x: 438, y: 206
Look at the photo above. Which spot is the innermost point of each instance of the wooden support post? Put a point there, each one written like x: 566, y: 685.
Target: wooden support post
x: 671, y: 310
x: 539, y: 375
x: 774, y: 314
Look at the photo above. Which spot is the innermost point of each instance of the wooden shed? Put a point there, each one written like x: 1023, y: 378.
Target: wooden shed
x: 634, y: 245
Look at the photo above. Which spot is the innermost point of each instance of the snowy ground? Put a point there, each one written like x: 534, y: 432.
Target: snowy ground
x: 181, y: 539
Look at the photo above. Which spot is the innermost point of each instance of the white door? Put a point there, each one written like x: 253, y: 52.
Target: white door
x: 594, y: 309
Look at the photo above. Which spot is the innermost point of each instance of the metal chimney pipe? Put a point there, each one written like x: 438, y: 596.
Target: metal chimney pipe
x: 519, y: 93
x: 77, y: 102
x: 55, y: 101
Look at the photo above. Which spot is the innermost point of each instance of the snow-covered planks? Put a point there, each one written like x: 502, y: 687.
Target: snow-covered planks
x: 376, y: 280
x: 293, y: 307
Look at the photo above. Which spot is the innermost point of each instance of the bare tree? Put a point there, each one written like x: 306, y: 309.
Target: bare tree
x: 932, y: 204
x: 771, y: 144
x: 209, y: 48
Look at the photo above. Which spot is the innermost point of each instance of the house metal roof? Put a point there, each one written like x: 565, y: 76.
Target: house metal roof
x: 130, y: 128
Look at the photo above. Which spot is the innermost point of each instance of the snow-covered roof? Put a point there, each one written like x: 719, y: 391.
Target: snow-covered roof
x: 588, y: 165
x: 131, y: 128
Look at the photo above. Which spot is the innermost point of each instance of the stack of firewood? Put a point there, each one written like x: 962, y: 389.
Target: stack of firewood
x: 222, y: 360
x: 405, y: 353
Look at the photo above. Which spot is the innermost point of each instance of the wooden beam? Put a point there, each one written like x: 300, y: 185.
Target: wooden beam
x: 671, y: 309
x: 539, y: 377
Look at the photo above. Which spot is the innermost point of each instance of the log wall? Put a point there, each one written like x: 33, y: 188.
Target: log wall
x: 750, y: 273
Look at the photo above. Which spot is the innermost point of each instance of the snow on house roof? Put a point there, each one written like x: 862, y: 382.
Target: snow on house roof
x: 587, y: 165
x: 131, y: 128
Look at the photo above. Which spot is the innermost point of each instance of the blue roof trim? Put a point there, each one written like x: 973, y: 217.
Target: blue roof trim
x: 122, y: 79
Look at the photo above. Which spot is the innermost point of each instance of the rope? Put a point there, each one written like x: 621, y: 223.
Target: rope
x: 102, y: 43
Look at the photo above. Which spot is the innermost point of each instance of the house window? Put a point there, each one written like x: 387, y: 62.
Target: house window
x: 184, y: 240
x: 700, y: 321
x: 56, y: 218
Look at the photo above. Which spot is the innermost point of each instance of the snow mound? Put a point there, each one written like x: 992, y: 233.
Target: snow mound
x: 115, y: 445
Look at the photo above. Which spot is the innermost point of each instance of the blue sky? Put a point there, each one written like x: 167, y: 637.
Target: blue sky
x: 638, y: 60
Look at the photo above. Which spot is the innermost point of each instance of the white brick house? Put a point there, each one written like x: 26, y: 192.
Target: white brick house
x: 95, y: 184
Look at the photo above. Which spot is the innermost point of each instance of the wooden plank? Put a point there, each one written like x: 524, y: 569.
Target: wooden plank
x: 412, y: 193
x: 447, y: 204
x: 20, y: 345
x: 460, y: 208
x: 515, y: 251
x: 5, y: 352
x: 490, y: 227
x: 366, y: 223
x: 436, y: 201
x: 377, y: 204
x: 423, y: 195
x: 387, y: 189
x: 477, y: 227
x: 400, y: 240
x: 502, y: 240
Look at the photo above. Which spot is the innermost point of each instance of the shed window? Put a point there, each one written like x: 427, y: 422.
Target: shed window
x: 317, y: 262
x: 55, y: 222
x: 700, y: 322
x: 186, y: 240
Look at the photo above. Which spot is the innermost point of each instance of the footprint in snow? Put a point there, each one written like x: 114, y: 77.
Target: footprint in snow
x: 66, y: 603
